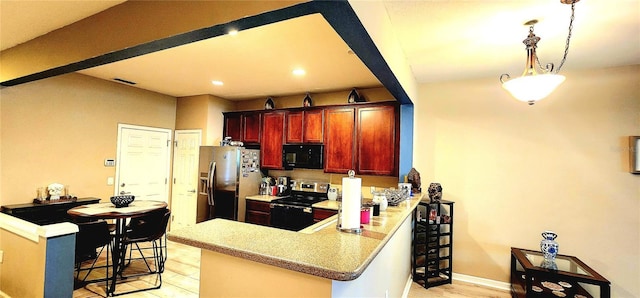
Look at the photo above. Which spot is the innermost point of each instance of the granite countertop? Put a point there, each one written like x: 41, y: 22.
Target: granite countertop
x: 327, y: 204
x: 263, y: 198
x: 319, y: 250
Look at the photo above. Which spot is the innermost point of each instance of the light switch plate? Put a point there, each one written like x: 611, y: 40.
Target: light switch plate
x: 109, y: 180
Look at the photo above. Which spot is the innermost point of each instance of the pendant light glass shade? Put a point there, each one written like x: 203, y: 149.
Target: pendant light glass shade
x: 533, y: 88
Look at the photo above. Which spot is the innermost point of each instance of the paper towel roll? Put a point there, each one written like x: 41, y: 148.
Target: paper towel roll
x: 351, y: 201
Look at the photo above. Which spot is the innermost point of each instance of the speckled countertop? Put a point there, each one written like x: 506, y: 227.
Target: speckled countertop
x: 327, y: 204
x: 320, y: 250
x: 262, y: 198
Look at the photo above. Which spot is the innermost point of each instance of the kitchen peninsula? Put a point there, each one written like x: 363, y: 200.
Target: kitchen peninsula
x: 240, y: 259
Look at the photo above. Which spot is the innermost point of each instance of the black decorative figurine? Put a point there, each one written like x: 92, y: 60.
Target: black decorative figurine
x: 435, y: 192
x: 414, y: 178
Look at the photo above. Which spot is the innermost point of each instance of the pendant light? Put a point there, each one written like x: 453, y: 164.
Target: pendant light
x: 533, y: 86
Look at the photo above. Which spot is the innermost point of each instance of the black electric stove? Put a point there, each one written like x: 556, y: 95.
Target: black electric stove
x: 294, y: 212
x: 302, y: 198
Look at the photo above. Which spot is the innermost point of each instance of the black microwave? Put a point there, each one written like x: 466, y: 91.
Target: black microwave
x: 303, y: 156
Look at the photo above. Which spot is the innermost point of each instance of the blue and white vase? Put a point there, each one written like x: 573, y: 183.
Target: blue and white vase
x: 548, y: 245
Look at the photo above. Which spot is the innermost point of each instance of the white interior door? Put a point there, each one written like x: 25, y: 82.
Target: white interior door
x: 143, y: 162
x: 184, y: 197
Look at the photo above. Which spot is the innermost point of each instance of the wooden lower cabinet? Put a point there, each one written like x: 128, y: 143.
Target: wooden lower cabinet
x: 258, y: 212
x: 320, y: 214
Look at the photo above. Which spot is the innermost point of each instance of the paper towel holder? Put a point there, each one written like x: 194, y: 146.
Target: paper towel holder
x: 339, y: 224
x: 339, y: 227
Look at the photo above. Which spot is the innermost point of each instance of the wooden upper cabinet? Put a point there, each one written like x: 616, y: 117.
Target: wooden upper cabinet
x: 377, y: 139
x: 339, y: 139
x: 313, y: 126
x: 233, y: 126
x: 272, y: 139
x: 305, y: 126
x: 294, y: 127
x: 363, y: 137
x: 251, y: 127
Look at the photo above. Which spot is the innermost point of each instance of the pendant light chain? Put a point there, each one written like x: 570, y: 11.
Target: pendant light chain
x: 566, y: 48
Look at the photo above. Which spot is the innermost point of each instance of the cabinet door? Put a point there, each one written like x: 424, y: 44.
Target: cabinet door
x: 251, y: 127
x: 258, y: 213
x: 339, y: 140
x: 377, y: 140
x: 233, y: 126
x: 294, y: 127
x: 319, y: 214
x: 272, y: 140
x: 313, y: 127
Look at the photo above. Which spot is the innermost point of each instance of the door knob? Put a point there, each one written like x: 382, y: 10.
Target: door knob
x: 124, y: 193
x: 192, y: 191
x: 122, y: 185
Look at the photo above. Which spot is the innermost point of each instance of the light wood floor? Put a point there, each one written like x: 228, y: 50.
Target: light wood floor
x: 182, y: 273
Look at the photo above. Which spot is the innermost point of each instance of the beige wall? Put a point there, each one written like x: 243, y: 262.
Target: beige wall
x: 203, y: 112
x: 215, y: 119
x: 61, y: 129
x: 516, y: 170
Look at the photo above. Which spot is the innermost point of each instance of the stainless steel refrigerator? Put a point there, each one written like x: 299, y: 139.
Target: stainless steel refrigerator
x: 228, y: 174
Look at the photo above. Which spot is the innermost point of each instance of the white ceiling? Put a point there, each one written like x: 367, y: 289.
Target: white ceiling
x: 442, y: 40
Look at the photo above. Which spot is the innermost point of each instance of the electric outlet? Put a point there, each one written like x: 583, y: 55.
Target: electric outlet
x: 1, y: 256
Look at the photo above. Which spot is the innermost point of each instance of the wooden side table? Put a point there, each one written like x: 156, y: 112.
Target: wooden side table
x: 533, y: 276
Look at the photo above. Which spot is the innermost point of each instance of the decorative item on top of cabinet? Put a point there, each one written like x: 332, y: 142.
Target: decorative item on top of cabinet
x: 307, y: 102
x: 354, y: 96
x: 269, y: 105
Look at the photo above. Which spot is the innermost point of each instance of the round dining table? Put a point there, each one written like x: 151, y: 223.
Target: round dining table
x: 109, y: 211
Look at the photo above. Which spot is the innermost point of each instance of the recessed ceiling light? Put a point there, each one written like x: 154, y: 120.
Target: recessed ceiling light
x: 299, y: 72
x: 233, y: 32
x: 217, y: 83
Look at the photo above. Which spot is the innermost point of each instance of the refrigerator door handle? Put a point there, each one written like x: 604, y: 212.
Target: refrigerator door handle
x: 210, y: 176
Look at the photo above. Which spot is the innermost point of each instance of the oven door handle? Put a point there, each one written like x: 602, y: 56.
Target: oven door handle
x: 278, y: 205
x: 272, y: 205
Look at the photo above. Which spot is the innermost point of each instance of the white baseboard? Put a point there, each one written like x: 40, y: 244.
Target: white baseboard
x: 500, y: 285
x: 407, y: 287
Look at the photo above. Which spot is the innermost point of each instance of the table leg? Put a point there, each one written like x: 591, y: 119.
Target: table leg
x: 605, y: 291
x: 116, y: 256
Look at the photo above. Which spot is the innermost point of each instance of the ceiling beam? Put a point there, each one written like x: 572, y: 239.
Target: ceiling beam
x: 339, y: 14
